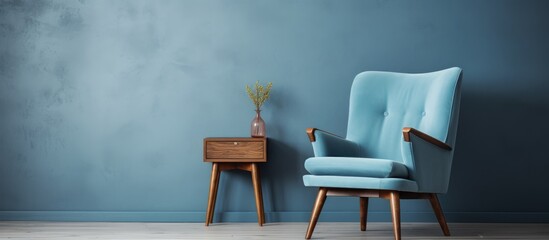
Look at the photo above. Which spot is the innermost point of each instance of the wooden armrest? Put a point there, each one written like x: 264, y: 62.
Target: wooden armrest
x: 311, y: 133
x: 406, y: 133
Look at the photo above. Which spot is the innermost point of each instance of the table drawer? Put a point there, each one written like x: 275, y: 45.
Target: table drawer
x: 234, y: 150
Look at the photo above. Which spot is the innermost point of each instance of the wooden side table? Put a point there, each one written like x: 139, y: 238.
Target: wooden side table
x: 235, y: 153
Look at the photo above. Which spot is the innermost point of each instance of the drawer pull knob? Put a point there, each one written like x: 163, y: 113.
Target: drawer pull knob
x: 235, y: 143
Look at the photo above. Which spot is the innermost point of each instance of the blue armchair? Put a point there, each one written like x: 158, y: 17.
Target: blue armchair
x: 399, y: 145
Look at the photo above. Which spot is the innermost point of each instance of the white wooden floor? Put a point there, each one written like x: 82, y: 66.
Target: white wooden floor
x: 108, y: 230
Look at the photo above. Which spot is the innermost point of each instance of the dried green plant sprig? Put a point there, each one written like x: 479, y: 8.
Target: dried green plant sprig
x: 260, y: 94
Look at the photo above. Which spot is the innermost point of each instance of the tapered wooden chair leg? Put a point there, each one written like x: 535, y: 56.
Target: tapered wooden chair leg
x: 395, y: 210
x: 438, y: 212
x: 363, y: 213
x: 320, y: 199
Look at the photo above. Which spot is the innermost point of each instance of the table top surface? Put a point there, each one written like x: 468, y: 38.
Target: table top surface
x: 235, y: 139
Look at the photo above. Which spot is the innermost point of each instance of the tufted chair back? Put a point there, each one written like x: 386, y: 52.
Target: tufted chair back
x: 382, y: 103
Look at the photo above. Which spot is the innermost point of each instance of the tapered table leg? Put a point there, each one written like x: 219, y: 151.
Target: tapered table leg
x: 214, y: 183
x: 258, y: 194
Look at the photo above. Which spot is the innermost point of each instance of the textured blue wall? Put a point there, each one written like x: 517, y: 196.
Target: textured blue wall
x: 104, y: 104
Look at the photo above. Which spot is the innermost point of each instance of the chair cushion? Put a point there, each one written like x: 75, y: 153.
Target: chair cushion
x: 398, y: 184
x: 356, y: 167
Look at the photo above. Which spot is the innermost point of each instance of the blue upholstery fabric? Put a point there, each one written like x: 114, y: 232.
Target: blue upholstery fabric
x: 359, y: 167
x: 429, y: 165
x: 327, y: 144
x: 398, y: 184
x: 381, y: 104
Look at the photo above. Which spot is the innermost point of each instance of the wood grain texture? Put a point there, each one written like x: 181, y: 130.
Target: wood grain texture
x: 230, y: 154
x: 407, y: 131
x: 394, y: 198
x: 363, y: 213
x: 214, y: 183
x: 439, y: 214
x: 395, y: 213
x: 258, y: 194
x: 235, y: 150
x: 319, y: 203
x: 217, y: 168
x: 311, y: 134
x: 344, y: 192
x: 272, y: 231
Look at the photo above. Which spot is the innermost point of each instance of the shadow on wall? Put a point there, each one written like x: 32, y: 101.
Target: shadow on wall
x: 500, y: 151
x: 282, y: 170
x: 288, y: 148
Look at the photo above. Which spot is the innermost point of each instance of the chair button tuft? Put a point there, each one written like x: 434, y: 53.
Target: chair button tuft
x: 385, y: 114
x: 423, y: 114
